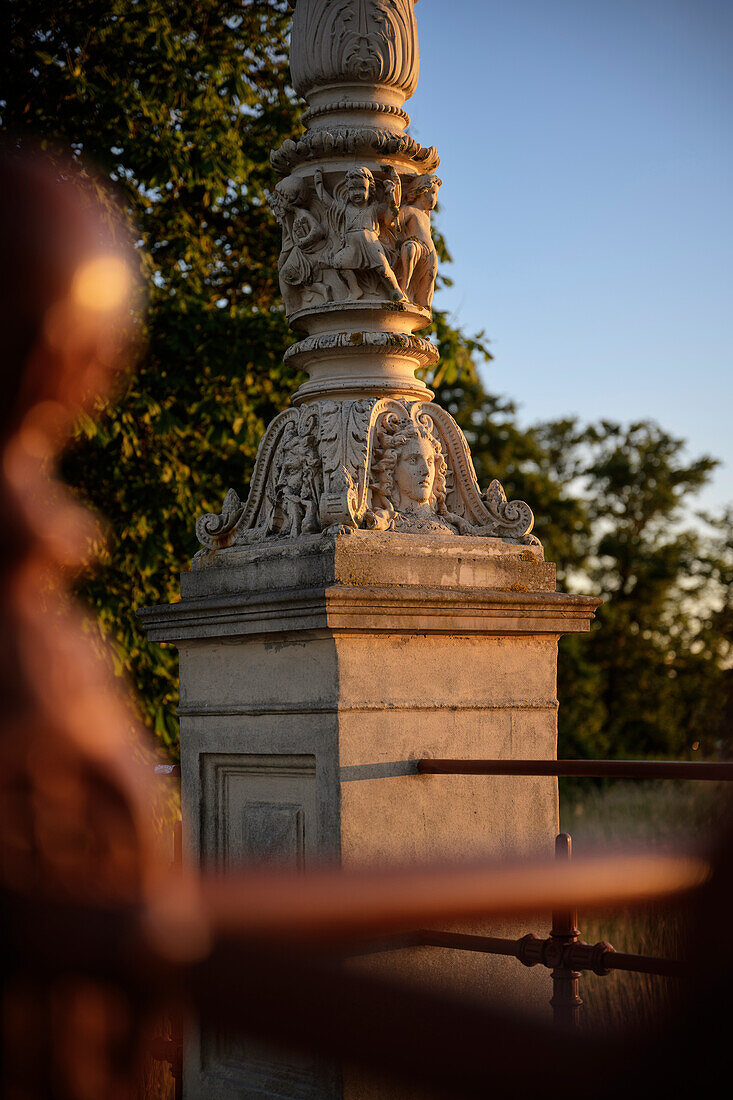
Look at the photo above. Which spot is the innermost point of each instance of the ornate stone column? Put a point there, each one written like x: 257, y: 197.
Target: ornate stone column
x: 368, y: 604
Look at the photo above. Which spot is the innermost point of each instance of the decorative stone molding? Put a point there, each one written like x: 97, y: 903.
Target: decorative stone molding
x: 353, y: 141
x: 354, y: 41
x: 372, y: 106
x: 362, y: 447
x: 380, y: 464
x: 397, y: 343
x: 366, y: 600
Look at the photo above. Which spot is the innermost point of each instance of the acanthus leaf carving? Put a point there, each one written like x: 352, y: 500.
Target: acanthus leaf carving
x: 339, y: 505
x: 344, y: 445
x: 418, y: 348
x: 368, y: 41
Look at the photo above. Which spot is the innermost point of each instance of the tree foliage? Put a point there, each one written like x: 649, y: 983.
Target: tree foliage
x: 613, y: 509
x: 178, y: 104
x: 656, y: 678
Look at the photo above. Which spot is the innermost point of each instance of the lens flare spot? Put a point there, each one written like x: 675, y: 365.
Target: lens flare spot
x: 102, y: 284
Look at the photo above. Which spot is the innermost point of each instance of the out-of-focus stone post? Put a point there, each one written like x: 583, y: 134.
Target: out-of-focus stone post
x: 368, y: 604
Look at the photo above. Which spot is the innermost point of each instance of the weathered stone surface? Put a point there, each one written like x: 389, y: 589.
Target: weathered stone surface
x: 357, y: 272
x: 368, y: 48
x: 371, y: 558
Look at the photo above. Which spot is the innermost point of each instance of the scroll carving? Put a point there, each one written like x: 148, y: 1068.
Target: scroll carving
x: 381, y: 464
x: 213, y: 530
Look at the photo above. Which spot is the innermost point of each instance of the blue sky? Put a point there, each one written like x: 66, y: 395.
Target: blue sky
x: 587, y: 158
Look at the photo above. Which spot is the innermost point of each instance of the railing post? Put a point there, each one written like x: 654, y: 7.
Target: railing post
x: 566, y: 1001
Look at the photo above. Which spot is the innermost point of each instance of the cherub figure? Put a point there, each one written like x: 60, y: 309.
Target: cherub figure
x: 303, y: 272
x: 356, y: 217
x: 409, y: 481
x: 417, y: 264
x: 295, y: 499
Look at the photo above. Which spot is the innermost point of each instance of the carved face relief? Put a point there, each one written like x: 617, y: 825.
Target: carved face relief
x: 414, y: 475
x: 430, y: 197
x: 314, y: 472
x: 358, y: 191
x: 408, y: 479
x: 293, y: 475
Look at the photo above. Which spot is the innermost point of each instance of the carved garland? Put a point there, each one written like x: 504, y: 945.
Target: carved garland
x: 415, y: 347
x: 352, y: 142
x: 354, y: 105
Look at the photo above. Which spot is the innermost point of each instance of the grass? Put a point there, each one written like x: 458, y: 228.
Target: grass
x: 658, y: 816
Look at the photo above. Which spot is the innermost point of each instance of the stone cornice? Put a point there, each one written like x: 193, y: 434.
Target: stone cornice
x: 371, y: 610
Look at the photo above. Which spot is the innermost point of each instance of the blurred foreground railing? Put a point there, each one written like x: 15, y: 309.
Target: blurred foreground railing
x: 310, y: 924
x: 262, y: 954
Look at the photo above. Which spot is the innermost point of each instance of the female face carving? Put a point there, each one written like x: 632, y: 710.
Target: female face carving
x: 429, y: 198
x: 414, y: 473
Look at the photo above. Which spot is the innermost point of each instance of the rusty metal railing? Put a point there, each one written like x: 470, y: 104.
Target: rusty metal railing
x: 609, y: 769
x: 563, y: 951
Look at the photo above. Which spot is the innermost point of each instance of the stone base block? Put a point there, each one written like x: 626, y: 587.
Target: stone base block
x: 314, y: 673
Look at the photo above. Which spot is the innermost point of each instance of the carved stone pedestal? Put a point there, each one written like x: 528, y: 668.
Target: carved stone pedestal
x: 314, y: 672
x: 367, y: 604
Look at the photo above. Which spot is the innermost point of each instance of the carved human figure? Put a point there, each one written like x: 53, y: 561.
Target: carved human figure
x: 356, y: 216
x: 304, y: 271
x: 417, y: 264
x: 409, y: 480
x: 294, y: 493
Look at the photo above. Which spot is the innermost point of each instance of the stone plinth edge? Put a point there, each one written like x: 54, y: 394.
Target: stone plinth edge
x: 371, y: 610
x: 370, y: 558
x: 371, y: 582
